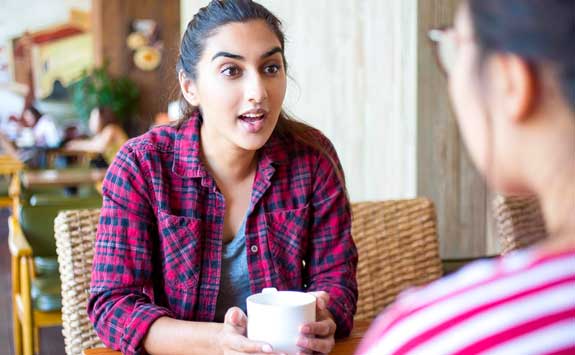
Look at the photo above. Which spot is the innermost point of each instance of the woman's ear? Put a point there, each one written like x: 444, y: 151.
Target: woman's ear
x: 189, y: 89
x: 516, y: 86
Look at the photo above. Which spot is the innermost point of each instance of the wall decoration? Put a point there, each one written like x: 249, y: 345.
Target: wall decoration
x: 145, y: 44
x: 49, y: 60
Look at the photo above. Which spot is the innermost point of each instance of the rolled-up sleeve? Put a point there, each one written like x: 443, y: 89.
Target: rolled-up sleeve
x: 333, y: 255
x: 120, y: 304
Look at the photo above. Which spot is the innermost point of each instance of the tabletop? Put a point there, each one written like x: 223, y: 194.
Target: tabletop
x: 64, y: 177
x: 342, y: 346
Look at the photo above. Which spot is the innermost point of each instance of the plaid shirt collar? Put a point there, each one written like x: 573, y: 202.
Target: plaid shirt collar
x: 187, y: 161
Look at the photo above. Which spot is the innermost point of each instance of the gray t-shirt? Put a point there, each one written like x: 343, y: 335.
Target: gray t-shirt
x: 235, y: 280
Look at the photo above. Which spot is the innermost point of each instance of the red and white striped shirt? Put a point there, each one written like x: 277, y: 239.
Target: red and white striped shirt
x: 522, y: 304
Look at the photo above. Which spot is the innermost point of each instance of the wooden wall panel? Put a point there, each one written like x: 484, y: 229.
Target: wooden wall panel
x: 445, y: 171
x: 111, y: 20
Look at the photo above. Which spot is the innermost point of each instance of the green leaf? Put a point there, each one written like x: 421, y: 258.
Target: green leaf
x: 97, y: 88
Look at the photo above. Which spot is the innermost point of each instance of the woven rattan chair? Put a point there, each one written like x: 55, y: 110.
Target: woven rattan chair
x: 398, y: 248
x: 36, y: 292
x: 519, y: 222
x: 75, y: 236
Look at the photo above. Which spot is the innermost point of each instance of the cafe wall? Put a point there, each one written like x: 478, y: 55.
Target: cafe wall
x: 353, y: 65
x: 364, y: 73
x: 17, y: 16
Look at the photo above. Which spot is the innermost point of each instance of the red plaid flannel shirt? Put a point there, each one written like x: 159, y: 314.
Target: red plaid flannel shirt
x: 159, y: 243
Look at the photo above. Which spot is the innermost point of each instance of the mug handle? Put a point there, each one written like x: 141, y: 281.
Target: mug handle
x: 269, y: 290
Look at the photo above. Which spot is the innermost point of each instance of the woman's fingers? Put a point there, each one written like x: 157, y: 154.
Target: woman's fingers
x: 235, y: 323
x: 237, y: 319
x: 242, y: 344
x: 323, y: 346
x: 318, y: 336
x: 323, y: 328
x: 322, y: 299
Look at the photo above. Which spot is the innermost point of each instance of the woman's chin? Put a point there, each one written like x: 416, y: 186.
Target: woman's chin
x: 253, y: 141
x: 508, y: 187
x: 252, y: 144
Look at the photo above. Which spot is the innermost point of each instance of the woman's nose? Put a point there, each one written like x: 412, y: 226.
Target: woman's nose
x: 256, y: 90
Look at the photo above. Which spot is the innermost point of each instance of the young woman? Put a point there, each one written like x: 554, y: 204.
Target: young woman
x: 235, y: 198
x: 45, y: 131
x: 108, y: 136
x: 511, y: 69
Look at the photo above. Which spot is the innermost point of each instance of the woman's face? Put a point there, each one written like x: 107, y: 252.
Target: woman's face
x: 29, y: 120
x: 240, y: 85
x: 465, y: 92
x: 480, y: 103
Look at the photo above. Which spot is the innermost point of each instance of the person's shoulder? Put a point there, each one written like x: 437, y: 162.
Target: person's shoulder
x: 160, y: 138
x: 478, y: 274
x: 47, y: 118
x: 510, y: 272
x: 318, y: 136
x: 310, y: 141
x: 406, y: 314
x: 477, y: 289
x: 112, y: 127
x: 45, y: 121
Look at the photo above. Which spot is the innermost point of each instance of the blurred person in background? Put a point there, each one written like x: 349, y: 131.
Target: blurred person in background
x: 45, y: 133
x: 108, y: 136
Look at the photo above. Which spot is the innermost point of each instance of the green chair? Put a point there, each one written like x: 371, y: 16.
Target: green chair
x: 5, y: 200
x: 36, y: 294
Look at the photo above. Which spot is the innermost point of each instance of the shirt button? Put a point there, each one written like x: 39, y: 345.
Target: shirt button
x: 254, y: 249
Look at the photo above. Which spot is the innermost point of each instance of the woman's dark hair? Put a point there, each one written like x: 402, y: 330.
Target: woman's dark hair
x: 107, y: 116
x: 542, y: 32
x: 216, y: 14
x: 34, y: 111
x: 203, y: 25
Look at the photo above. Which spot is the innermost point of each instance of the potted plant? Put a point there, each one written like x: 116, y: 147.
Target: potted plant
x: 98, y: 88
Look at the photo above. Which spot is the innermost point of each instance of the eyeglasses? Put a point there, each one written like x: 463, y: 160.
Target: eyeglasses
x: 446, y: 46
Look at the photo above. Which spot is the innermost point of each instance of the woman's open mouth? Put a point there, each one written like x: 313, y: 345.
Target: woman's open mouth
x: 253, y: 122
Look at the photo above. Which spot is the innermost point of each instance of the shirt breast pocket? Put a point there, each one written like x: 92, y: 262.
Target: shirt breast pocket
x: 181, y: 250
x: 287, y: 236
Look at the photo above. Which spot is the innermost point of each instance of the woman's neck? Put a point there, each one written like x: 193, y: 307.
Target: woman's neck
x: 551, y: 170
x: 228, y: 164
x: 557, y: 197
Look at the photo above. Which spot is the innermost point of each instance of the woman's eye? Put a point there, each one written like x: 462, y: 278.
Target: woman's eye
x: 272, y: 69
x: 231, y: 71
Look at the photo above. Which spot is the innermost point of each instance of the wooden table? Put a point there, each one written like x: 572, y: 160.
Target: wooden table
x: 64, y: 177
x: 342, y: 347
x: 83, y: 158
x: 9, y: 165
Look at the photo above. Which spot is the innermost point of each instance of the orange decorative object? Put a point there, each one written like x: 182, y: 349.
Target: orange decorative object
x: 147, y: 58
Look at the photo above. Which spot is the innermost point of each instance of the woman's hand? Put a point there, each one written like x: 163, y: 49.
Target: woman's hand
x: 318, y: 337
x: 232, y: 339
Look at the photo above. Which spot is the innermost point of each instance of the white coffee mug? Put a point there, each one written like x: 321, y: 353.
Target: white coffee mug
x: 275, y: 317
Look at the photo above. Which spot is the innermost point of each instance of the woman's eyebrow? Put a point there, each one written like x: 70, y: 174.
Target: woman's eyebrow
x: 272, y: 52
x: 239, y: 57
x: 228, y: 55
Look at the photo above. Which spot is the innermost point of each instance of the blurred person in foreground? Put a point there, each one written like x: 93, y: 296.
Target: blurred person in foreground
x: 511, y: 71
